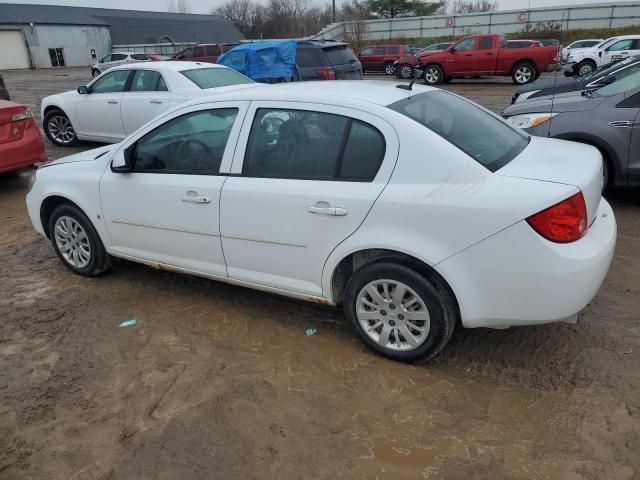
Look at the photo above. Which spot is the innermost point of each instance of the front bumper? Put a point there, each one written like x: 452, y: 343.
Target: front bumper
x: 570, y: 67
x: 516, y: 277
x: 24, y: 152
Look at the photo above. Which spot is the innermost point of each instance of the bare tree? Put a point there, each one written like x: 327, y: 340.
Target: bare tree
x: 178, y: 6
x: 456, y: 7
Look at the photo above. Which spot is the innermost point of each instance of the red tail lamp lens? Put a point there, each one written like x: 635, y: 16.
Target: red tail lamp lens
x: 563, y: 222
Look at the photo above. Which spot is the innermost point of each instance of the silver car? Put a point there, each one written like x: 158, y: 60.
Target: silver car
x: 118, y: 58
x: 607, y: 118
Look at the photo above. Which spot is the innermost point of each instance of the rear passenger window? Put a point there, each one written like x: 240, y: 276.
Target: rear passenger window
x: 486, y: 43
x: 146, y: 81
x: 393, y: 50
x: 199, y: 52
x: 363, y: 153
x: 379, y: 51
x: 305, y: 145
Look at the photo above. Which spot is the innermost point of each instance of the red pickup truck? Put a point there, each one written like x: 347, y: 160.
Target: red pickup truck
x: 488, y: 55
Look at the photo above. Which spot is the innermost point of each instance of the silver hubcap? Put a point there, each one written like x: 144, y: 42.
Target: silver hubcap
x: 389, y: 69
x: 393, y: 315
x: 585, y: 69
x: 523, y: 74
x: 406, y: 71
x: 72, y: 242
x: 432, y: 75
x: 61, y: 129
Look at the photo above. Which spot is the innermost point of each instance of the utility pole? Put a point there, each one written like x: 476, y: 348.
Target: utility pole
x: 334, y: 11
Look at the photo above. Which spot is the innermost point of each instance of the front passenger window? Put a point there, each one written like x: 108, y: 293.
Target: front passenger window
x: 112, y: 82
x: 191, y: 144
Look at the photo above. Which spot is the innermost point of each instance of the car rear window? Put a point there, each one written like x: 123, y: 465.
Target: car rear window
x: 310, y: 57
x: 215, y: 77
x: 339, y: 55
x: 488, y: 140
x: 140, y: 56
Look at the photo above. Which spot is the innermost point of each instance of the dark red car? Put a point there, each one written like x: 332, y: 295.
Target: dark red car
x: 381, y: 58
x: 20, y: 140
x: 203, y: 53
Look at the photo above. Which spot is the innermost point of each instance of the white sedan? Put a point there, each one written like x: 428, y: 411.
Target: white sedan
x: 124, y: 98
x: 414, y: 210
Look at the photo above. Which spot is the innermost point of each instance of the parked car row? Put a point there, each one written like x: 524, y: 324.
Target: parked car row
x: 585, y: 60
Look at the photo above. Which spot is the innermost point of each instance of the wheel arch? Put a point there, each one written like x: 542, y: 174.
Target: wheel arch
x: 522, y: 61
x: 608, y: 152
x: 49, y: 204
x: 354, y: 261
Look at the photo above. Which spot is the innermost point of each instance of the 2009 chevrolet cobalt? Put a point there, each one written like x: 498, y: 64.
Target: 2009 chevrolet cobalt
x: 414, y: 210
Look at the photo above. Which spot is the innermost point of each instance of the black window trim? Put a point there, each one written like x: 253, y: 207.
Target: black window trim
x: 134, y: 145
x: 343, y: 145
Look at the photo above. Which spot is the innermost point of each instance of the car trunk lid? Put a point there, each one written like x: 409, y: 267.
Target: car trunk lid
x: 559, y: 161
x: 14, y: 119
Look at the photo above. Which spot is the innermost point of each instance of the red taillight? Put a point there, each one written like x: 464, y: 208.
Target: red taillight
x: 564, y: 222
x: 327, y: 73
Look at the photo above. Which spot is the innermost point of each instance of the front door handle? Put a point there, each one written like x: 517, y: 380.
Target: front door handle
x: 194, y: 197
x: 327, y: 210
x: 155, y: 101
x: 113, y: 102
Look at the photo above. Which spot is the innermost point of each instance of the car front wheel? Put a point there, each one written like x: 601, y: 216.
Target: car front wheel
x: 585, y: 68
x: 76, y: 241
x: 398, y: 312
x: 406, y: 71
x: 389, y: 69
x: 433, y: 75
x: 58, y: 128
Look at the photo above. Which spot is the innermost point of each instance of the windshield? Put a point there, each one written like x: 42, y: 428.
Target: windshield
x: 630, y: 82
x: 215, y: 77
x: 487, y: 139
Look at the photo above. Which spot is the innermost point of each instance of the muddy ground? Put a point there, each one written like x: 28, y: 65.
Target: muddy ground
x: 217, y: 381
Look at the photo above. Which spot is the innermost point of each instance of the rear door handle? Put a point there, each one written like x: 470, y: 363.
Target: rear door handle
x: 195, y: 197
x: 155, y: 101
x: 333, y: 211
x: 112, y: 102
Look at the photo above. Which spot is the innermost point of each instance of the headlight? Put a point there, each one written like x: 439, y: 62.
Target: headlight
x: 530, y: 120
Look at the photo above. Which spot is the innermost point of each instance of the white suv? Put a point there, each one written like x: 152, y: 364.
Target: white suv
x: 584, y: 61
x: 115, y: 59
x: 415, y: 210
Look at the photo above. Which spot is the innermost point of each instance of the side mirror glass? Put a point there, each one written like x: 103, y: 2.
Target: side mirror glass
x: 83, y: 90
x: 124, y: 161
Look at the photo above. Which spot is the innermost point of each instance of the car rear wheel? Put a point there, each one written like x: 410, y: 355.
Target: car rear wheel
x: 433, y: 75
x: 76, y: 241
x: 585, y: 67
x: 406, y: 71
x: 389, y: 69
x: 523, y: 73
x: 398, y: 312
x: 58, y: 128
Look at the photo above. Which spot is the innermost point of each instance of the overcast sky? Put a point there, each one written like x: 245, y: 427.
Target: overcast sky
x: 204, y: 6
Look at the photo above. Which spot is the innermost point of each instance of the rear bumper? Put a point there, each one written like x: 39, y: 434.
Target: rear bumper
x: 518, y: 278
x: 24, y: 152
x: 554, y: 67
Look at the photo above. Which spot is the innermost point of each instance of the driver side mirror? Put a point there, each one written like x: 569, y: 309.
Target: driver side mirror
x: 124, y: 161
x: 83, y: 90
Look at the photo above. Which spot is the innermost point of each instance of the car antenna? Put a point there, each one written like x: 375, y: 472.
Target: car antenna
x: 409, y: 87
x: 555, y: 76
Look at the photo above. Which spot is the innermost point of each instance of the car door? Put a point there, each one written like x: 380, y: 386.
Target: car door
x: 619, y: 51
x: 166, y: 209
x: 379, y: 55
x: 98, y: 111
x: 186, y: 54
x: 486, y: 55
x: 463, y: 60
x: 303, y: 179
x: 632, y: 104
x: 212, y: 53
x: 366, y: 58
x: 117, y: 59
x: 147, y: 97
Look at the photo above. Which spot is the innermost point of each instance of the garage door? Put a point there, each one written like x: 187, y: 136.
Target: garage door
x: 13, y: 51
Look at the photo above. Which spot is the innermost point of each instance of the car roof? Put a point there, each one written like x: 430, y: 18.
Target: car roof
x: 168, y: 65
x: 370, y: 91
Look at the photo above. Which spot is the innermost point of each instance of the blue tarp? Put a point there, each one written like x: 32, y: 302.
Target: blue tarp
x: 263, y: 61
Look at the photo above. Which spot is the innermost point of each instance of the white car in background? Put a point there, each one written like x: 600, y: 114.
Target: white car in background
x: 121, y: 100
x: 116, y: 59
x: 579, y: 45
x: 584, y: 61
x: 414, y: 210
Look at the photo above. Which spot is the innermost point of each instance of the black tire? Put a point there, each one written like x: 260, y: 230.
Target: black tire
x: 52, y: 117
x: 585, y: 67
x: 389, y: 68
x: 431, y: 291
x: 433, y: 75
x: 405, y: 71
x: 523, y: 73
x: 99, y: 260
